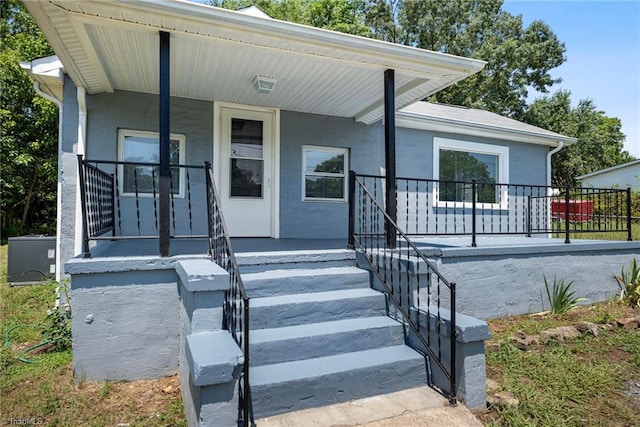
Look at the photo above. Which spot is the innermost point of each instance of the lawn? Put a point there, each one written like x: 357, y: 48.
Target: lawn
x: 574, y: 232
x: 587, y: 381
x: 43, y: 390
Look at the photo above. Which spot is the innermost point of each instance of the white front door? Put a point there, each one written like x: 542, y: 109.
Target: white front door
x: 246, y: 171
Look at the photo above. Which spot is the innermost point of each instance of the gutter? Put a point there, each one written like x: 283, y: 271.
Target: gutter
x: 58, y: 103
x: 549, y: 154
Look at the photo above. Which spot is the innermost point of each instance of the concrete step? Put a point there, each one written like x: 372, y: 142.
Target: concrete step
x: 301, y: 384
x: 323, y: 339
x: 299, y: 280
x: 255, y: 262
x: 315, y: 307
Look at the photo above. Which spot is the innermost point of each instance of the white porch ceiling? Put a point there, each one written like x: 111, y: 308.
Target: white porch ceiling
x: 215, y: 54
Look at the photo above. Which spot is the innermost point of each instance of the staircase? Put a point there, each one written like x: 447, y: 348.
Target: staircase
x: 320, y: 334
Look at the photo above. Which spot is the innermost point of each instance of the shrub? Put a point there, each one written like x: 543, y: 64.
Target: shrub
x: 561, y: 297
x: 629, y: 283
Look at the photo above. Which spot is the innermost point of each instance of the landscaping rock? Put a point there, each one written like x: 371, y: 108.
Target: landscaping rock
x: 628, y: 323
x: 587, y: 328
x: 607, y: 327
x: 502, y: 399
x: 559, y: 334
x: 632, y: 389
x: 523, y: 341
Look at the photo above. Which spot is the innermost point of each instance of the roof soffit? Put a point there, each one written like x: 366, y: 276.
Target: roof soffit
x: 115, y: 48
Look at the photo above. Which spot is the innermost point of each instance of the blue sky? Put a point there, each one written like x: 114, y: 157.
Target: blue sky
x: 603, y: 54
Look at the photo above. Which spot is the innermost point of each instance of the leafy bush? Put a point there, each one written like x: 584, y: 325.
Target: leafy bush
x: 57, y: 328
x: 629, y: 283
x: 561, y: 297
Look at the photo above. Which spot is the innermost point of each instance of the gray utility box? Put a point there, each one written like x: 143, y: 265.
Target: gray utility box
x: 31, y: 259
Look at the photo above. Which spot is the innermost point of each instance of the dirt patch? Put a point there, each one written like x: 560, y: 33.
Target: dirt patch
x: 55, y: 398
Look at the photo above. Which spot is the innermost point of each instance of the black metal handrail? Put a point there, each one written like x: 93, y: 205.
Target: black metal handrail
x: 112, y: 191
x: 428, y: 207
x: 97, y: 190
x: 369, y: 232
x: 236, y: 304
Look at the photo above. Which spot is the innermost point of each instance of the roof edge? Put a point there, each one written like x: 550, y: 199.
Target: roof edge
x: 427, y: 122
x: 609, y: 169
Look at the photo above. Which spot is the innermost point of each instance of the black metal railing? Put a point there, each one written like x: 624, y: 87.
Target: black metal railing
x: 236, y: 304
x: 411, y: 283
x: 97, y: 192
x: 122, y: 198
x: 446, y: 208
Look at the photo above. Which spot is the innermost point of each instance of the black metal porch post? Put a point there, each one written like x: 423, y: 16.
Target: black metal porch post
x: 390, y: 153
x: 165, y: 153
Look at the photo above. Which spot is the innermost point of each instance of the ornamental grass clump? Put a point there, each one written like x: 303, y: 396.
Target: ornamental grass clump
x: 561, y: 297
x: 629, y: 283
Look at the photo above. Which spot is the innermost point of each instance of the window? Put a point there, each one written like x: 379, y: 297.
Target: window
x: 142, y: 147
x: 458, y: 163
x: 247, y: 158
x: 324, y: 171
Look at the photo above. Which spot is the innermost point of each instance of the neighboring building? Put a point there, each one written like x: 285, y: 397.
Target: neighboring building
x: 620, y: 176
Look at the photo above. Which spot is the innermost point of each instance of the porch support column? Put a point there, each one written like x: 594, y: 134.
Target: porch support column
x: 390, y: 154
x: 165, y: 168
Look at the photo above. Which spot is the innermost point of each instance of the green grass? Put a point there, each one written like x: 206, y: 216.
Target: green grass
x: 45, y: 392
x: 599, y: 235
x: 574, y: 383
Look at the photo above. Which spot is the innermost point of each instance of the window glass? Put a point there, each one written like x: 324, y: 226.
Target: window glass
x: 324, y: 173
x: 143, y: 147
x: 324, y: 161
x: 457, y: 163
x: 246, y: 170
x: 467, y: 166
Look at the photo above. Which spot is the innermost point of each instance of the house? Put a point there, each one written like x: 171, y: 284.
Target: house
x: 194, y: 125
x: 619, y: 176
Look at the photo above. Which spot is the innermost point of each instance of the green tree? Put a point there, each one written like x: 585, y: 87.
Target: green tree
x: 346, y: 16
x: 28, y: 135
x: 600, y: 139
x: 518, y: 58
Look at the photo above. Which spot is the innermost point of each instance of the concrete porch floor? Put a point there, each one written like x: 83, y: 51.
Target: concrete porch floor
x: 199, y: 246
x: 430, y: 245
x: 419, y: 407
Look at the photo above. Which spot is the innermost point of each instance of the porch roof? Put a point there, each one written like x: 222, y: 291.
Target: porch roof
x: 216, y: 53
x: 471, y: 121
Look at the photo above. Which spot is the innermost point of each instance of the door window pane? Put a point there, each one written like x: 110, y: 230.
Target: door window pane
x: 246, y: 138
x: 247, y: 164
x: 246, y: 178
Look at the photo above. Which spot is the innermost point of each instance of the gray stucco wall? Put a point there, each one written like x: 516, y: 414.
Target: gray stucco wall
x: 414, y: 154
x: 125, y: 324
x: 302, y: 219
x: 509, y: 280
x: 109, y: 112
x: 298, y: 219
x: 68, y: 165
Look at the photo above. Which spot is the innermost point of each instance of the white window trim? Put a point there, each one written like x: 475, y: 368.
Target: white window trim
x: 344, y: 175
x: 122, y: 133
x: 474, y: 147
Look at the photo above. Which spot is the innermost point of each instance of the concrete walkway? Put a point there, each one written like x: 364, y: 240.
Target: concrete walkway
x: 418, y: 407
